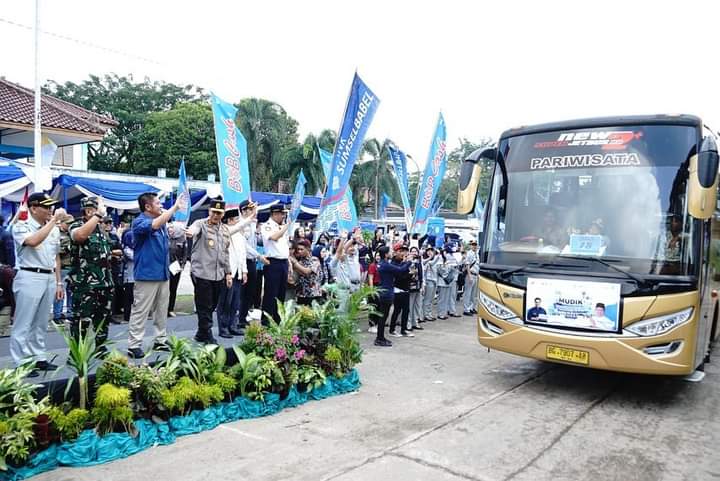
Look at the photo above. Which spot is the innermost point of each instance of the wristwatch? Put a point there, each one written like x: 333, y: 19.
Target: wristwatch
x: 98, y: 216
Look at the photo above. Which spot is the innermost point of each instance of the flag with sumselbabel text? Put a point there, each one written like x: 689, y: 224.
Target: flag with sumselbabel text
x: 432, y: 178
x: 231, y: 153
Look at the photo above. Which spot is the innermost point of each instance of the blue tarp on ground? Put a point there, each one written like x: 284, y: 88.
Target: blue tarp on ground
x: 90, y: 449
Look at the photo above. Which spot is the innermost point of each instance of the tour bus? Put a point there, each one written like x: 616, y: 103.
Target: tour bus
x: 598, y: 245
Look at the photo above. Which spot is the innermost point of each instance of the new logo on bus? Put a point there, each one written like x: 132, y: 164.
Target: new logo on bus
x: 607, y: 140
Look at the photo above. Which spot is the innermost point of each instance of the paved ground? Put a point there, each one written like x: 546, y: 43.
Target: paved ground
x: 440, y: 407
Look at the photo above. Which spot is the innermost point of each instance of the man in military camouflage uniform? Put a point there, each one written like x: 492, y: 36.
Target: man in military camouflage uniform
x: 91, y: 273
x: 65, y: 265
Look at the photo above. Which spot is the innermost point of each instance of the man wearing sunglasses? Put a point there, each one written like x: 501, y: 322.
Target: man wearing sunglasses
x: 37, y: 283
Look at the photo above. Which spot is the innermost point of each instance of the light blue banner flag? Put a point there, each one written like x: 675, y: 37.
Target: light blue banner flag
x: 399, y: 163
x: 432, y: 177
x: 297, y: 197
x: 359, y: 112
x: 231, y: 153
x: 183, y: 215
x: 347, y: 204
x: 384, y: 203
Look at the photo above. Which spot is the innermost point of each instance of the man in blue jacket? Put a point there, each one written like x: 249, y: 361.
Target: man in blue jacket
x: 388, y: 272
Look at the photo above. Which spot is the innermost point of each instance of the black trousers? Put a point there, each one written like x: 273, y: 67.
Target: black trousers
x: 276, y: 274
x: 401, y: 307
x: 174, y: 282
x: 257, y: 298
x: 385, y: 305
x: 374, y: 319
x: 248, y: 293
x: 207, y: 293
x: 128, y: 298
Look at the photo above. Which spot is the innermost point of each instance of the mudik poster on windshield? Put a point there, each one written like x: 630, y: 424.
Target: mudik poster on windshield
x: 575, y: 304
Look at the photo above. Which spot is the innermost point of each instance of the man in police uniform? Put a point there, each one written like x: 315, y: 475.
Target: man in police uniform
x: 277, y: 251
x: 209, y: 266
x: 91, y: 273
x: 38, y: 282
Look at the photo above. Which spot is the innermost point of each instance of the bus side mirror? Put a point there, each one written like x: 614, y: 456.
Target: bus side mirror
x: 470, y: 179
x: 703, y: 180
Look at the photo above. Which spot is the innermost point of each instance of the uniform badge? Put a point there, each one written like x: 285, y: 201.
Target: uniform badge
x: 211, y: 243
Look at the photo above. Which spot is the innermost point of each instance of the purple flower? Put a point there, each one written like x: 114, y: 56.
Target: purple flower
x: 299, y: 354
x: 280, y: 354
x: 295, y: 340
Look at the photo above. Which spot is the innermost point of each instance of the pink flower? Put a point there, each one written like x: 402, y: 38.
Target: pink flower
x: 299, y: 354
x: 295, y: 340
x: 280, y: 354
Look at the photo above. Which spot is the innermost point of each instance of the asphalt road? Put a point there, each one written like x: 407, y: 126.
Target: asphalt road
x: 440, y: 407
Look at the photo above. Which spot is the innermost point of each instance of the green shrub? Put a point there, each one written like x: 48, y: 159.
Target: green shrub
x: 112, y: 411
x: 225, y: 382
x: 69, y: 425
x: 114, y: 370
x: 17, y: 440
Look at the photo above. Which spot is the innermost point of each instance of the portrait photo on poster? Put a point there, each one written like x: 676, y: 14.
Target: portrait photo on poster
x: 573, y: 304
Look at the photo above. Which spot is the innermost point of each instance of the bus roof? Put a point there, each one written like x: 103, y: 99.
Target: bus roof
x: 662, y: 119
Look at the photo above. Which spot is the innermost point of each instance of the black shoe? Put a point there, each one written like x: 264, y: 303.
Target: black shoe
x: 473, y: 311
x: 467, y: 313
x: 454, y: 315
x: 418, y: 328
x: 431, y: 319
x: 422, y: 320
x: 33, y: 373
x: 45, y: 366
x: 225, y: 334
x: 237, y: 332
x: 136, y: 353
x: 206, y: 339
x: 383, y: 343
x: 161, y: 346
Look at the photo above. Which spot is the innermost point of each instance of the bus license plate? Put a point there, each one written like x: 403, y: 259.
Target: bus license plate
x: 568, y: 355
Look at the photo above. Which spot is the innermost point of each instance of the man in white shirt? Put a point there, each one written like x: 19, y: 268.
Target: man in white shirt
x: 248, y: 210
x: 37, y: 282
x: 277, y: 250
x: 229, y: 300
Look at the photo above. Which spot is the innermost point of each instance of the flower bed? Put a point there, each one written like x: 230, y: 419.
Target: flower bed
x: 309, y: 354
x: 90, y: 448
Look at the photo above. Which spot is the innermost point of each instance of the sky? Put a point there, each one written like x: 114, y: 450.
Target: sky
x: 488, y: 66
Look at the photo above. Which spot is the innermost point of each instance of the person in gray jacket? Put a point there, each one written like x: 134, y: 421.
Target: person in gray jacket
x: 431, y: 278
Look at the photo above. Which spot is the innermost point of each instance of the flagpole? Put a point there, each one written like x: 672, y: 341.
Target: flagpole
x: 37, y: 153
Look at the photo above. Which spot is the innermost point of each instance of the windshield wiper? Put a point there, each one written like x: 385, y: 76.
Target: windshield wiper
x: 639, y: 280
x: 536, y: 265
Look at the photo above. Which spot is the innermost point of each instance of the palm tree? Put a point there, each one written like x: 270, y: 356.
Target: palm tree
x: 269, y: 132
x: 373, y: 174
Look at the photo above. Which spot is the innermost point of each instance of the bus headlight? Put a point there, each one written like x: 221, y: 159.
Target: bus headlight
x: 495, y: 308
x: 662, y: 324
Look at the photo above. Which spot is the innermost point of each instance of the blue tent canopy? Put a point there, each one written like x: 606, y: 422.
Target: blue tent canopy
x: 308, y: 210
x: 117, y: 194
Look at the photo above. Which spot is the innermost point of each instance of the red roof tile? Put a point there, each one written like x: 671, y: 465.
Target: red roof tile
x: 17, y: 105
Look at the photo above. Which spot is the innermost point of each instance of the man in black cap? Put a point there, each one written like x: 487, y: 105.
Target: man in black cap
x: 277, y: 251
x: 91, y: 272
x: 248, y: 210
x: 37, y: 283
x: 209, y: 266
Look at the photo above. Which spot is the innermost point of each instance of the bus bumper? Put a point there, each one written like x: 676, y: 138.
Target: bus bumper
x: 620, y: 353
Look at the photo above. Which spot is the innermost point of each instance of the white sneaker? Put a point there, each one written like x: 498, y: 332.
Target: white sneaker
x: 395, y: 334
x: 372, y: 330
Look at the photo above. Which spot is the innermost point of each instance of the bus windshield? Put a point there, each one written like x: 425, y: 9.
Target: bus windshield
x: 617, y: 193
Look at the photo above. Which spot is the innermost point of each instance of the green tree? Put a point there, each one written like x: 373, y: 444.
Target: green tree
x: 270, y: 132
x: 373, y: 175
x: 184, y: 131
x: 127, y: 101
x: 447, y: 193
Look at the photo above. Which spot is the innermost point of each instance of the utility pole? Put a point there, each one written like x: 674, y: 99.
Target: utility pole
x: 37, y: 151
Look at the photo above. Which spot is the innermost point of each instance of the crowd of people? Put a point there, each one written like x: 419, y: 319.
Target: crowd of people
x: 88, y: 271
